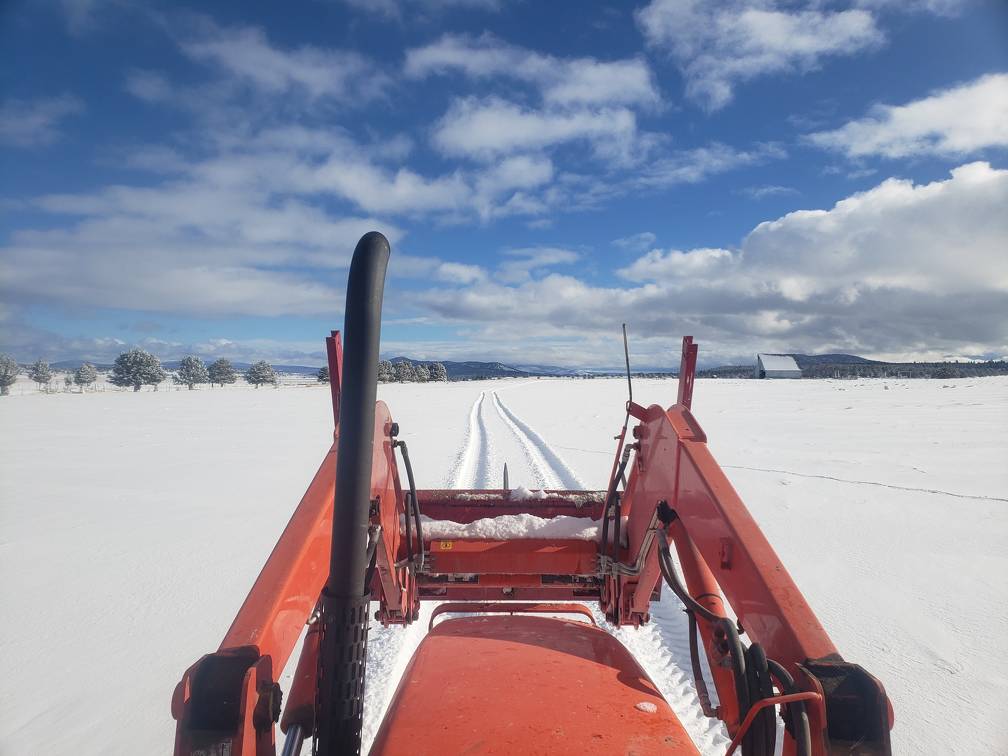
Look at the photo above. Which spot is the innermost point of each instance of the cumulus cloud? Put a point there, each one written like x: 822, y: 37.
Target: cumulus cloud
x: 901, y: 268
x: 718, y: 45
x: 957, y: 121
x: 658, y: 265
x: 580, y: 100
x: 32, y: 123
x: 561, y: 81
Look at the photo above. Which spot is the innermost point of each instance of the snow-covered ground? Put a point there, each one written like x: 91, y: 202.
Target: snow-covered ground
x: 132, y: 525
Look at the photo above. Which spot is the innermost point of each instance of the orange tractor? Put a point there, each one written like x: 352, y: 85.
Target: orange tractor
x: 512, y: 676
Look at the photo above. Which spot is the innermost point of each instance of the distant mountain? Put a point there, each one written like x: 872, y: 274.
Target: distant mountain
x: 553, y: 370
x: 74, y: 364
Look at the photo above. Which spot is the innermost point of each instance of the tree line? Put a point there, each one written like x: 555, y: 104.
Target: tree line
x: 402, y: 371
x: 136, y: 368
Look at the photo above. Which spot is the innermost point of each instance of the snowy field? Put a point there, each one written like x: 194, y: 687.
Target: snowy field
x: 132, y: 526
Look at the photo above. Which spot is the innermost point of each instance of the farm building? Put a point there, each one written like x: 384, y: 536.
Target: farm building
x: 776, y: 366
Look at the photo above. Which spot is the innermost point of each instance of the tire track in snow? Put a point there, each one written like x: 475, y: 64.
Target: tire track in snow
x: 464, y: 469
x: 541, y: 472
x: 552, y: 463
x: 485, y: 456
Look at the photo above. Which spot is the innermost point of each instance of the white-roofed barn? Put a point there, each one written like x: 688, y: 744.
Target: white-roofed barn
x: 776, y: 366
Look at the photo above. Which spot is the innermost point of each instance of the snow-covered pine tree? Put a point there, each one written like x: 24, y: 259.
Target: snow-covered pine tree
x: 222, y: 371
x: 420, y: 373
x: 40, y: 373
x: 192, y: 371
x: 403, y: 371
x: 438, y: 372
x: 85, y: 375
x: 9, y: 370
x: 386, y: 373
x: 259, y: 373
x: 323, y: 374
x: 137, y: 368
x: 68, y: 382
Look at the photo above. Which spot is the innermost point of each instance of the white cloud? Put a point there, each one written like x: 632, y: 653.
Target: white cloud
x: 938, y: 7
x: 717, y: 45
x: 901, y: 268
x: 489, y: 127
x: 583, y: 100
x: 658, y: 265
x: 695, y: 165
x: 958, y: 121
x: 32, y: 123
x: 947, y: 237
x: 561, y: 81
x: 204, y: 241
x: 768, y: 190
x: 527, y: 261
x: 459, y: 273
x: 247, y: 55
x: 636, y: 242
x: 400, y: 9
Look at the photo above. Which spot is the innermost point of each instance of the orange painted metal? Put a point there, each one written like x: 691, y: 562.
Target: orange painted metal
x: 285, y: 594
x: 577, y: 686
x: 527, y: 685
x: 286, y: 591
x: 334, y: 355
x: 468, y: 505
x: 431, y: 590
x: 675, y: 466
x: 721, y: 549
x: 299, y: 706
x: 702, y: 586
x: 509, y: 607
x: 531, y: 556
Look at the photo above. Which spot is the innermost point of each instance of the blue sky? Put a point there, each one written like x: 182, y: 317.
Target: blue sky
x: 765, y: 176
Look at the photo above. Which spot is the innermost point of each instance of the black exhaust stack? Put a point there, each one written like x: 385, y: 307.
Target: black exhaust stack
x: 345, y: 598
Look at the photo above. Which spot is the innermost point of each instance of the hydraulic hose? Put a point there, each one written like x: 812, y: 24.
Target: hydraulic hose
x: 611, y: 495
x: 797, y: 714
x: 414, y: 508
x: 750, y: 666
x: 724, y: 628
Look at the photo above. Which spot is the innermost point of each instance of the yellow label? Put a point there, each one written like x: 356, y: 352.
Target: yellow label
x: 447, y: 545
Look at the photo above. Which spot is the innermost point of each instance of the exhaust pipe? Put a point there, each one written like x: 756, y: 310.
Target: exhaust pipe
x: 346, y: 596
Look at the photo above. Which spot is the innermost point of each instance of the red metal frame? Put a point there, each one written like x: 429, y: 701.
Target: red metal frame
x: 721, y: 550
x: 334, y: 354
x: 468, y: 505
x: 508, y: 607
